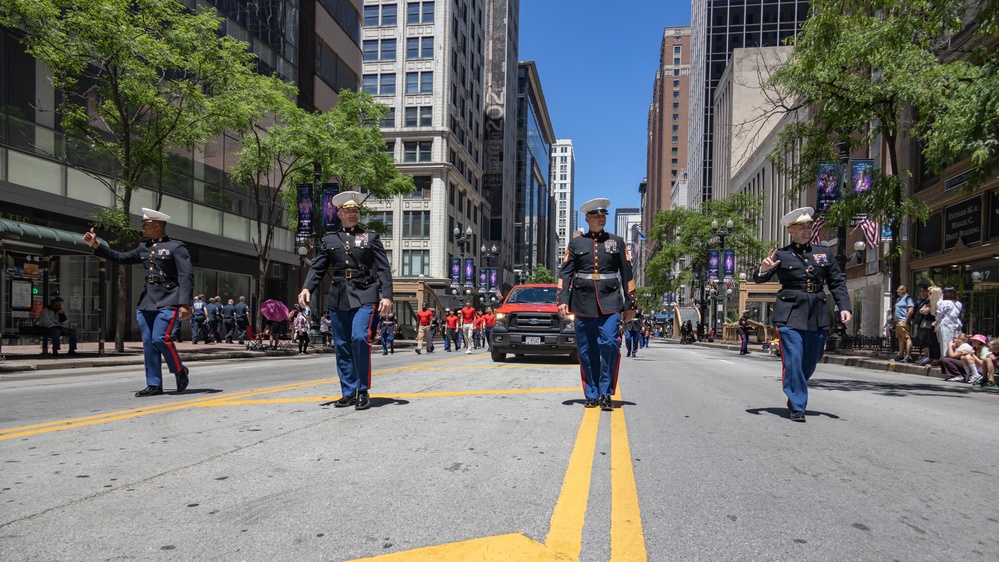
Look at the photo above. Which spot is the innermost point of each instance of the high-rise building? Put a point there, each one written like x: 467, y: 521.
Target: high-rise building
x: 668, y: 117
x: 425, y: 60
x: 719, y: 27
x: 625, y: 218
x: 533, y: 233
x: 499, y: 168
x: 563, y: 182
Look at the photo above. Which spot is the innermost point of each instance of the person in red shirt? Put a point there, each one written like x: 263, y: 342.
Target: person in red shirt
x: 468, y: 315
x: 451, y: 336
x: 480, y: 330
x: 488, y: 322
x: 424, y: 317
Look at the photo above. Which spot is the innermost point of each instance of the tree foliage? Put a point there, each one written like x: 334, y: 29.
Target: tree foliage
x: 881, y: 73
x: 683, y: 238
x: 540, y: 275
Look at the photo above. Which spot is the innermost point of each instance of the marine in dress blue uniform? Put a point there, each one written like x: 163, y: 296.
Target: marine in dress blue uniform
x: 595, y: 284
x: 166, y: 299
x: 801, y: 313
x: 359, y: 267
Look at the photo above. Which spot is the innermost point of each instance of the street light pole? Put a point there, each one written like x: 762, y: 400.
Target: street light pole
x: 722, y: 233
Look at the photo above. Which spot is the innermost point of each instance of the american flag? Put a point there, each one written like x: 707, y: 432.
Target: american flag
x: 816, y: 229
x: 872, y: 231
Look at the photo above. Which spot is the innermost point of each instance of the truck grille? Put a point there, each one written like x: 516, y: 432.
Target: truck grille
x: 534, y: 322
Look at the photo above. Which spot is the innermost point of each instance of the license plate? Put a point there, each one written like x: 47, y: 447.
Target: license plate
x: 532, y: 340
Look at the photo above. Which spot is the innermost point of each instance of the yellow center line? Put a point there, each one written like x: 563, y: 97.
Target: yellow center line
x: 627, y: 538
x: 565, y: 535
x: 239, y: 402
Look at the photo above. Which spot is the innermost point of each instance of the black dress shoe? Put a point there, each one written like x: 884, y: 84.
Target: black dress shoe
x: 606, y: 404
x: 73, y: 354
x: 183, y: 380
x: 150, y: 391
x: 344, y: 402
x: 417, y: 351
x: 591, y: 403
x: 797, y: 416
x: 363, y: 402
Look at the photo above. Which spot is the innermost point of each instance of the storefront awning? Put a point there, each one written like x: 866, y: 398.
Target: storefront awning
x: 42, y: 235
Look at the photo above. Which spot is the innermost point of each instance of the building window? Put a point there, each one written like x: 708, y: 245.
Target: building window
x: 672, y: 173
x: 419, y: 82
x: 419, y: 116
x: 419, y: 12
x: 676, y: 83
x: 422, y: 191
x: 676, y: 72
x: 415, y: 263
x: 420, y: 47
x: 674, y: 151
x: 389, y: 15
x: 676, y: 106
x: 382, y: 220
x: 417, y: 151
x: 416, y: 224
x: 369, y: 84
x: 387, y: 86
x: 379, y: 50
x: 675, y: 139
x: 676, y: 95
x: 676, y: 116
x: 370, y: 49
x: 388, y: 121
x: 676, y: 128
x: 676, y: 49
x: 672, y: 162
x: 676, y: 60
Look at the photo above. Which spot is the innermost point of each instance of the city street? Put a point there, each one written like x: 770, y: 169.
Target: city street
x: 461, y: 458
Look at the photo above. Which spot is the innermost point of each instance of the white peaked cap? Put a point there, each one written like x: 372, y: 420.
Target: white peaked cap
x: 595, y: 205
x: 804, y: 214
x: 153, y: 215
x: 347, y: 199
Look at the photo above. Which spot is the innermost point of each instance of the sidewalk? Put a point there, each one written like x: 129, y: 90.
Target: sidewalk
x: 860, y: 359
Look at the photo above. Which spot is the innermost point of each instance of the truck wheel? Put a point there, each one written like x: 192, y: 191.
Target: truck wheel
x: 498, y: 356
x: 574, y: 357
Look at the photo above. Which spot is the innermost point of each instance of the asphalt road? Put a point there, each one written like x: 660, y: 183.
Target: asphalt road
x: 461, y: 458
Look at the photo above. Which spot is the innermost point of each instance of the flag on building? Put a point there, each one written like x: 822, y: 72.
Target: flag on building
x: 872, y: 231
x: 817, y: 229
x: 641, y: 235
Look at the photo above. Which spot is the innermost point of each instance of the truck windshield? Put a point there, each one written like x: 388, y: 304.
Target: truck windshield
x: 532, y: 295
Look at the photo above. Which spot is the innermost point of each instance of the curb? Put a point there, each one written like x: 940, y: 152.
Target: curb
x: 117, y: 360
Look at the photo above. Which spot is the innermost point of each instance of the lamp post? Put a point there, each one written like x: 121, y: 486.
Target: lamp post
x: 463, y: 240
x: 489, y: 254
x: 722, y: 233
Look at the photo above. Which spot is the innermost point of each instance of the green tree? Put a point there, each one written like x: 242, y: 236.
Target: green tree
x: 137, y: 78
x: 684, y: 236
x: 343, y: 145
x: 540, y: 275
x: 863, y: 73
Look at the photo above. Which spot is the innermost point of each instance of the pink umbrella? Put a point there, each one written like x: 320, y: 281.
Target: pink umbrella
x: 274, y: 310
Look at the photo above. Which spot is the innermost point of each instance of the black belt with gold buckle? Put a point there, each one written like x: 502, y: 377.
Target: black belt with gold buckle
x: 808, y: 287
x: 348, y: 273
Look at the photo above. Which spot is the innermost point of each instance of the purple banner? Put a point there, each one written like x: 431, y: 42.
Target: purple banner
x: 455, y: 272
x: 729, y: 263
x: 304, y: 210
x: 713, y: 264
x: 469, y: 271
x: 861, y: 173
x: 493, y: 280
x: 483, y: 278
x: 826, y: 186
x: 331, y: 222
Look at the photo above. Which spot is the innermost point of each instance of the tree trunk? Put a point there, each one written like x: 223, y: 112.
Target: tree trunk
x: 895, y: 260
x: 122, y: 304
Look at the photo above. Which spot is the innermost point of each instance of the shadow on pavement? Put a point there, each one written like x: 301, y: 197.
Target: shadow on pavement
x: 196, y: 391
x: 782, y: 412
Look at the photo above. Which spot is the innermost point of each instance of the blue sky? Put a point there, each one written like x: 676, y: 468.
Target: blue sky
x: 597, y: 61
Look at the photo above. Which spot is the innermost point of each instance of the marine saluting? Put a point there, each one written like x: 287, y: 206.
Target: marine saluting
x: 166, y: 298
x: 800, y: 312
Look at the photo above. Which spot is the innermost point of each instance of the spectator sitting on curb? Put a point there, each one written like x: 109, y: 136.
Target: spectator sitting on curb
x: 54, y: 318
x: 991, y: 363
x: 952, y: 364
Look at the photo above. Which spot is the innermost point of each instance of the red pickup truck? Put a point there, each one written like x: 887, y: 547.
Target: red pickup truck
x: 527, y: 323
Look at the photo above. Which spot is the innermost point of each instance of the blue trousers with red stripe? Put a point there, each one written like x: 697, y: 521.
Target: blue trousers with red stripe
x: 599, y: 353
x: 351, y: 336
x: 800, y: 351
x: 155, y: 327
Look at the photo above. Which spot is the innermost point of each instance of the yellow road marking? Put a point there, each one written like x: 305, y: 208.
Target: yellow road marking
x: 627, y: 539
x: 565, y: 535
x: 230, y: 402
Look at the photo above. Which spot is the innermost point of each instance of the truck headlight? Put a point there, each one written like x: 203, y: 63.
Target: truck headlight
x: 500, y: 315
